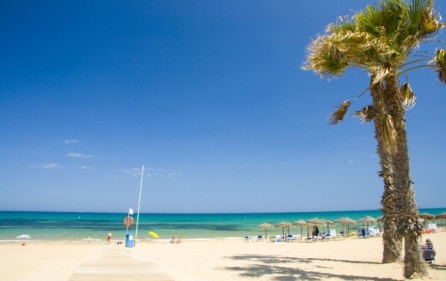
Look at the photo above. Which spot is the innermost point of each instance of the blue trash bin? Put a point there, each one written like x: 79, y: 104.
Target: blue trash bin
x: 129, y: 242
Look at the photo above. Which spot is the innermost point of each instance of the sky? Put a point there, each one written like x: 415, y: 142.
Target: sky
x: 209, y: 96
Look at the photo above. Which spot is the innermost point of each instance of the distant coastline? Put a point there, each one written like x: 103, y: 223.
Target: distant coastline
x: 214, y: 213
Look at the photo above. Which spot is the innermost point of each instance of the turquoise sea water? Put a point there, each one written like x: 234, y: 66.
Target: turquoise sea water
x: 72, y: 226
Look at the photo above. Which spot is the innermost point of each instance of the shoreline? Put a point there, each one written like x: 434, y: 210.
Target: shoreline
x: 78, y: 227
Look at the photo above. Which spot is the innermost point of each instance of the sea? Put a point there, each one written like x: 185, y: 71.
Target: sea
x: 83, y: 226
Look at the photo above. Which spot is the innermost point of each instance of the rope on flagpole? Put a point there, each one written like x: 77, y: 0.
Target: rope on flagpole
x: 139, y: 203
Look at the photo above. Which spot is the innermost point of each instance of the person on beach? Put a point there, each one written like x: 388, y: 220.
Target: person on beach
x: 428, y: 251
x: 109, y: 237
x: 174, y: 241
x: 315, y: 231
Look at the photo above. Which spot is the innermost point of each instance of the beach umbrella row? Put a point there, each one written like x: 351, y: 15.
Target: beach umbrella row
x: 302, y: 223
x: 345, y: 221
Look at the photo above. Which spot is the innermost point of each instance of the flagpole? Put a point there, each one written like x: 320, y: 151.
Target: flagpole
x: 139, y: 203
x: 128, y: 220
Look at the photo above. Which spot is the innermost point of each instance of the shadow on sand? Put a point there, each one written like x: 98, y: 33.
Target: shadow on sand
x: 438, y: 266
x: 276, y: 268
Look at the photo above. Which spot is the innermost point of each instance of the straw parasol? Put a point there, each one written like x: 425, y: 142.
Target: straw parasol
x: 328, y: 223
x: 380, y: 219
x: 266, y: 226
x: 346, y: 221
x: 426, y: 216
x: 367, y: 220
x: 313, y: 222
x: 283, y: 225
x: 441, y: 216
x: 301, y: 223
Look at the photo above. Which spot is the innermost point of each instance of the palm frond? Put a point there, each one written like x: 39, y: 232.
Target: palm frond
x: 407, y: 95
x: 339, y: 114
x: 380, y: 73
x: 440, y: 64
x: 325, y: 58
x: 389, y: 133
x: 429, y: 20
x: 366, y: 114
x: 342, y: 25
x: 386, y: 16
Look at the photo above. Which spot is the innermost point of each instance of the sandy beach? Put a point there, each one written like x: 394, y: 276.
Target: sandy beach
x: 219, y: 259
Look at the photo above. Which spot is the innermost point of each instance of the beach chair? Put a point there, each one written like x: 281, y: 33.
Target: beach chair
x: 317, y: 238
x: 325, y: 236
x: 246, y: 238
x: 276, y: 238
x: 259, y: 238
x: 363, y: 233
x: 291, y: 238
x: 432, y: 227
x: 308, y: 239
x: 374, y: 231
x: 333, y: 235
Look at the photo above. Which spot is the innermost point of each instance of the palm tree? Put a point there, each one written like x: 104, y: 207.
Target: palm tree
x: 381, y: 40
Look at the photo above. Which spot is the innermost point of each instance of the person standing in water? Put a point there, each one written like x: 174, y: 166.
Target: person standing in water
x: 109, y: 237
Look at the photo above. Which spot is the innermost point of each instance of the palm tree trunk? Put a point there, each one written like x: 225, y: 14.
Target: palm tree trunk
x: 392, y: 242
x: 407, y: 223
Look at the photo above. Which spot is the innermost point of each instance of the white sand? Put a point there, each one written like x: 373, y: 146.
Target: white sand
x: 218, y: 260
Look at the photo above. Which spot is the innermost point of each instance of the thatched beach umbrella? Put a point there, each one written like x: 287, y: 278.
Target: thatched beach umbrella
x: 283, y: 225
x: 313, y: 222
x: 266, y: 226
x: 346, y: 221
x: 301, y: 223
x: 380, y: 219
x: 367, y: 220
x: 441, y: 216
x: 426, y: 217
x: 328, y: 223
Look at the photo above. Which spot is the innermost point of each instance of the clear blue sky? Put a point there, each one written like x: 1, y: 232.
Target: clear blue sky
x: 208, y: 95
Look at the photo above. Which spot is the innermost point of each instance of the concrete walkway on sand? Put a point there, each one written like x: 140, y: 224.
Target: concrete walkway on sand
x: 118, y: 264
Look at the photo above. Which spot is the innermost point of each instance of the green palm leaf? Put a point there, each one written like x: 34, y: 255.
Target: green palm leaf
x: 440, y: 65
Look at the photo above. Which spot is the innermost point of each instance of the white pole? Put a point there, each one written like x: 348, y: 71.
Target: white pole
x: 128, y: 220
x: 139, y: 203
